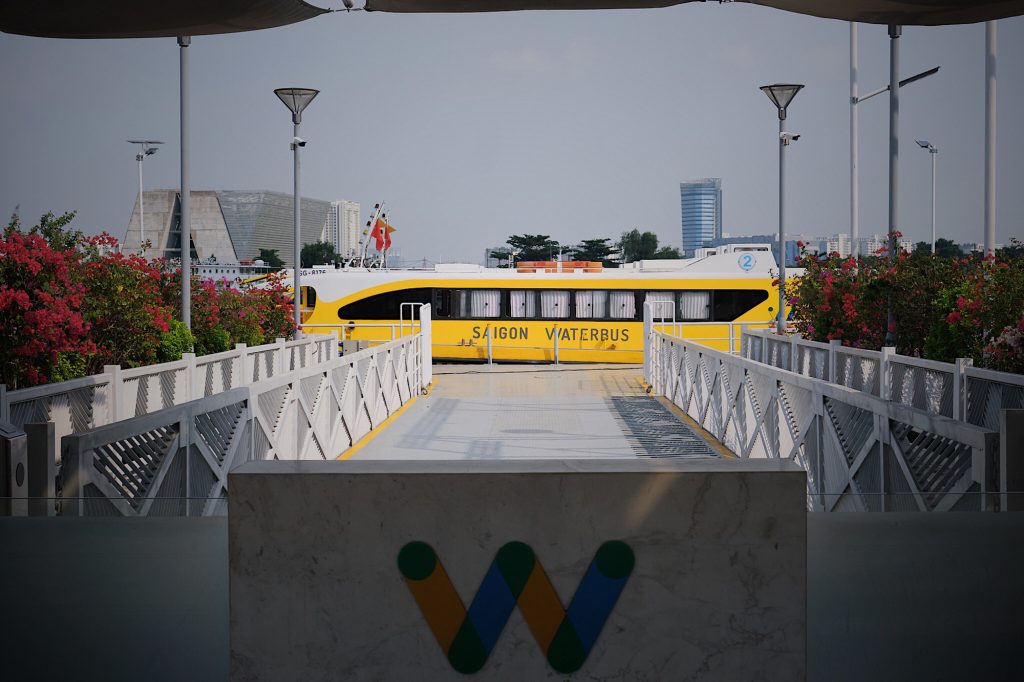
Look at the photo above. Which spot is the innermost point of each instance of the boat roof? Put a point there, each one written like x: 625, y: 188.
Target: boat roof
x: 333, y: 283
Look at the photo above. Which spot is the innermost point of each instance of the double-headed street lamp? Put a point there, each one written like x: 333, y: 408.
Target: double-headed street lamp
x: 145, y: 149
x: 297, y: 99
x: 934, y: 151
x: 781, y: 94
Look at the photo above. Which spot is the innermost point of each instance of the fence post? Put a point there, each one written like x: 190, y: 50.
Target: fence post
x: 884, y: 375
x: 744, y: 350
x: 555, y: 329
x: 5, y: 406
x: 833, y: 346
x: 426, y: 347
x: 764, y: 348
x: 648, y: 341
x: 1011, y: 463
x: 960, y: 388
x: 244, y: 366
x: 42, y: 469
x: 191, y: 381
x: 279, y: 360
x: 794, y: 350
x: 117, y: 406
x: 490, y: 342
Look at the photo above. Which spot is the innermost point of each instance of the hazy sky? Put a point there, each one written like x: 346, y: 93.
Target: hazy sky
x: 474, y: 127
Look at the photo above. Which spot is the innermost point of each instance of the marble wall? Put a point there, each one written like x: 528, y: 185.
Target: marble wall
x: 670, y: 570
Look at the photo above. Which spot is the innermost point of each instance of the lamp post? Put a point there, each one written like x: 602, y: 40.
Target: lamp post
x: 781, y: 95
x: 934, y: 152
x: 297, y: 99
x: 144, y: 150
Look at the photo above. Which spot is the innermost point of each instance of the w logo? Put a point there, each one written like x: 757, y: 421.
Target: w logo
x: 516, y: 578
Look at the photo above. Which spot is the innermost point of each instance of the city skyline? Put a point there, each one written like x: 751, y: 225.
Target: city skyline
x: 474, y: 128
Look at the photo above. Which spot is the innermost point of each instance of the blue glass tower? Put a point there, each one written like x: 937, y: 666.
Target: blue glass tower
x: 701, y: 207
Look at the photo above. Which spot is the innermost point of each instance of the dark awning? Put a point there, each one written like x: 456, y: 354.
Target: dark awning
x: 147, y: 18
x: 906, y: 12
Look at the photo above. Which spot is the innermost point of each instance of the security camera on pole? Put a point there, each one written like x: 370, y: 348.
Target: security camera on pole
x: 297, y: 99
x: 146, y: 148
x: 781, y: 95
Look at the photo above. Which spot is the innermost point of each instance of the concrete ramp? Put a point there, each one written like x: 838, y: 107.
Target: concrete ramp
x: 554, y: 412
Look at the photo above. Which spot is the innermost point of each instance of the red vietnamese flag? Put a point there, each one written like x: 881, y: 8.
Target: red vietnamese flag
x: 382, y: 234
x: 378, y: 234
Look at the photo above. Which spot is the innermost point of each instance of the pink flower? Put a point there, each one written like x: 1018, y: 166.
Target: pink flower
x: 953, y: 317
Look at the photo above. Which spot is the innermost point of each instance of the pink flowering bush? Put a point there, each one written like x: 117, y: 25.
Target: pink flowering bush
x: 41, y: 321
x: 943, y: 308
x: 70, y: 304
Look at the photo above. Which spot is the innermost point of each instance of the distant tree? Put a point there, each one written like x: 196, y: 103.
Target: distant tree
x: 1012, y: 252
x: 667, y: 253
x: 317, y: 253
x: 527, y: 247
x: 945, y: 248
x: 638, y: 245
x: 271, y: 258
x: 593, y: 250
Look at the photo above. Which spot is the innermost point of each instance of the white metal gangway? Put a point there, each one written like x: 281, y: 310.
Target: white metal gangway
x: 876, y: 431
x: 160, y: 440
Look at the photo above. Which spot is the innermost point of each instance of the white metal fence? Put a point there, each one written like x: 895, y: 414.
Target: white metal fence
x: 184, y: 425
x: 861, y: 451
x: 955, y: 390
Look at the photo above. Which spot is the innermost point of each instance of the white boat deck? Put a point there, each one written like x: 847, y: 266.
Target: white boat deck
x: 536, y: 411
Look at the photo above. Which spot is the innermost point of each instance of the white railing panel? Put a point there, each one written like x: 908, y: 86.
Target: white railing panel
x: 861, y: 452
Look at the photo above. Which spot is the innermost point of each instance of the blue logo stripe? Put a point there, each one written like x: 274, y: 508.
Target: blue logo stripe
x: 491, y: 607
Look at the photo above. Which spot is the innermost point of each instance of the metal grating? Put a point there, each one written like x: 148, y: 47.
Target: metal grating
x: 652, y: 430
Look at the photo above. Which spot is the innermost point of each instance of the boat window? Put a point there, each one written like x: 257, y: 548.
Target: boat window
x: 484, y: 303
x: 694, y: 305
x: 663, y: 304
x: 443, y: 302
x: 621, y: 305
x: 591, y: 305
x: 730, y: 304
x: 523, y: 303
x: 383, y: 306
x: 554, y: 304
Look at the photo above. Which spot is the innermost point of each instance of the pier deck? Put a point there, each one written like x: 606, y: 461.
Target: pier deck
x: 528, y: 411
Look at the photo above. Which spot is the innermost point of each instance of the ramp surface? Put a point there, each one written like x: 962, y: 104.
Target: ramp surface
x: 531, y: 412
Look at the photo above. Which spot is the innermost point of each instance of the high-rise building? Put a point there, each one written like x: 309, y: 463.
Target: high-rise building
x: 342, y: 229
x: 701, y: 207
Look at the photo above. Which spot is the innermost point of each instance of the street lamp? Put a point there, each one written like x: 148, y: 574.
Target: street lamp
x: 297, y: 99
x: 934, y: 151
x: 781, y: 95
x: 144, y: 150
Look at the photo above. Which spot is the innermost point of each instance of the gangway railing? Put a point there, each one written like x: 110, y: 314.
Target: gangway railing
x: 956, y: 390
x: 290, y: 400
x: 861, y: 451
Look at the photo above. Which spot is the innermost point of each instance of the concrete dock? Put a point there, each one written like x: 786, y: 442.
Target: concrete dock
x: 537, y: 412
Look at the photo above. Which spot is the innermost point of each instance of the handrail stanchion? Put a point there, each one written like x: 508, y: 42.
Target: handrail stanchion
x: 960, y: 388
x: 648, y: 347
x: 490, y: 348
x: 555, y: 329
x: 116, y: 392
x: 833, y: 346
x: 885, y: 372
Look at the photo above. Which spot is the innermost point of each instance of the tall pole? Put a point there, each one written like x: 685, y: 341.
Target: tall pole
x: 990, y: 138
x: 781, y: 327
x: 894, y: 153
x: 186, y: 190
x: 854, y: 145
x: 297, y: 252
x: 934, y: 153
x: 142, y: 215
